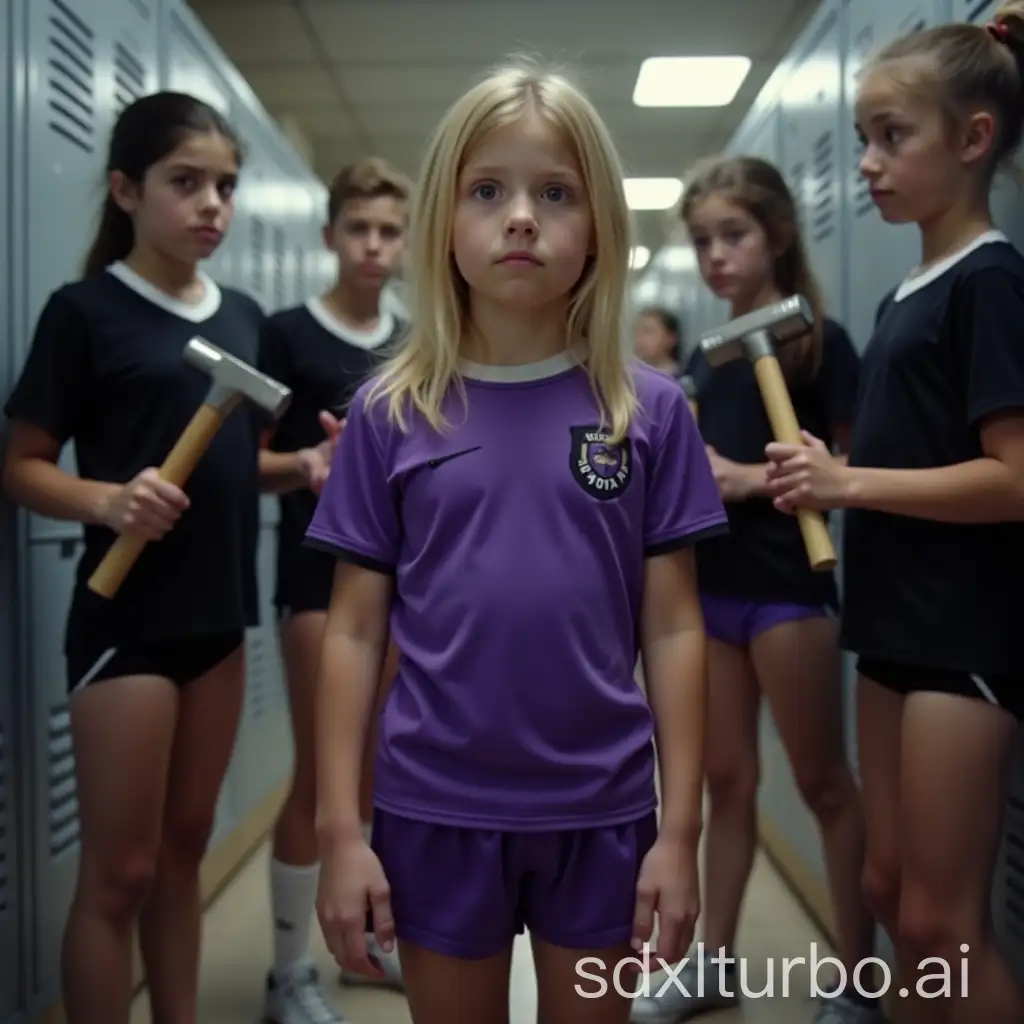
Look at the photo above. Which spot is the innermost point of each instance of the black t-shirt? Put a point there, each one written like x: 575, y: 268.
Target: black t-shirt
x: 763, y: 558
x: 106, y: 371
x: 947, y: 351
x: 323, y: 363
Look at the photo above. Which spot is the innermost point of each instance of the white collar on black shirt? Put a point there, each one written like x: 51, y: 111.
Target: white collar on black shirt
x: 195, y: 312
x: 368, y: 340
x: 915, y: 282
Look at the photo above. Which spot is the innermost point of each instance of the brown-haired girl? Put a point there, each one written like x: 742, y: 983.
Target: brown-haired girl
x: 155, y: 676
x: 770, y: 620
x: 935, y: 491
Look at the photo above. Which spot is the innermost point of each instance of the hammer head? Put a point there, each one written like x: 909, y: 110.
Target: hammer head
x: 230, y: 377
x: 752, y: 335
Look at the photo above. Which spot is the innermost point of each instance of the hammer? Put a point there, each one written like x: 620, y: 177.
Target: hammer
x: 755, y: 335
x: 689, y: 386
x: 232, y: 380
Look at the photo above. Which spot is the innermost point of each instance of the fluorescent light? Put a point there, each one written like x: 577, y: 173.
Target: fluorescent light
x: 678, y: 257
x: 639, y: 257
x: 652, y: 193
x: 689, y: 81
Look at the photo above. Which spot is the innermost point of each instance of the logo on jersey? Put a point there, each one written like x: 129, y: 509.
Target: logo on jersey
x: 601, y: 468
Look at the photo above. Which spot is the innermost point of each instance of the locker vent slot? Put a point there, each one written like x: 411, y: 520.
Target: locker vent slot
x: 259, y: 252
x: 822, y: 200
x: 71, y: 77
x: 62, y: 806
x: 1013, y: 854
x: 129, y: 78
x: 256, y: 659
x: 797, y: 185
x: 6, y: 828
x: 280, y: 243
x: 142, y: 7
x: 971, y: 10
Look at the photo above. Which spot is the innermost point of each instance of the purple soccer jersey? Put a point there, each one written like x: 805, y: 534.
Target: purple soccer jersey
x: 517, y: 538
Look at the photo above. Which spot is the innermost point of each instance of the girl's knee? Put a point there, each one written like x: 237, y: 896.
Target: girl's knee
x: 733, y: 787
x: 826, y: 789
x: 117, y: 886
x: 880, y: 884
x: 186, y: 837
x: 932, y: 924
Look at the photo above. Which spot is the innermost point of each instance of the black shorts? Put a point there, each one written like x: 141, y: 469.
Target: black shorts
x: 1006, y: 692
x: 181, y: 660
x: 305, y: 579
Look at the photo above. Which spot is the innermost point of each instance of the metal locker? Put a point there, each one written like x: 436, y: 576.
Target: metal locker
x: 1008, y: 891
x: 812, y: 149
x: 894, y: 249
x: 51, y: 572
x: 11, y: 939
x: 65, y: 159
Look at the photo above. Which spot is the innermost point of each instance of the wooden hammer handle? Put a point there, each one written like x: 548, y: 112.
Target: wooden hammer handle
x: 106, y: 580
x: 779, y: 405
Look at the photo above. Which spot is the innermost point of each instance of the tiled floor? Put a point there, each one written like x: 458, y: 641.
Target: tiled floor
x: 237, y: 946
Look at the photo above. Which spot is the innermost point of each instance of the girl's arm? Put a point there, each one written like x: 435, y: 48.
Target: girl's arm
x: 672, y: 644
x: 985, y: 490
x: 352, y: 657
x: 32, y: 479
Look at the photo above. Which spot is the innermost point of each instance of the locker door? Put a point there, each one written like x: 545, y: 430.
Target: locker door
x: 811, y: 153
x: 974, y: 10
x: 880, y: 254
x: 51, y: 573
x: 65, y: 158
x: 11, y: 945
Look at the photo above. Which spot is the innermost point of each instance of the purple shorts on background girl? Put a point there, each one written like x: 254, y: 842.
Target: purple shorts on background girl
x: 738, y: 622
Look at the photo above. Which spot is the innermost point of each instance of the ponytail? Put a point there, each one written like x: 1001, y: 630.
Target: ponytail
x: 115, y: 236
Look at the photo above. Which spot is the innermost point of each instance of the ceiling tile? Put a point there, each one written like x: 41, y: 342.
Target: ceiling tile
x: 309, y: 86
x: 273, y: 33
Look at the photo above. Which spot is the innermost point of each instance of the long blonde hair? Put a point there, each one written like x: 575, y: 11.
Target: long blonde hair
x: 421, y: 374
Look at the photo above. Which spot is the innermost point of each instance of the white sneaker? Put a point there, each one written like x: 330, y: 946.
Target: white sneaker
x: 840, y: 1010
x: 389, y: 964
x: 674, y: 1005
x: 295, y: 997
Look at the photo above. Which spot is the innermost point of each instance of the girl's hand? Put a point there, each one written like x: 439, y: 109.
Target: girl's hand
x: 735, y: 482
x: 316, y: 462
x: 806, y: 476
x: 352, y: 881
x: 147, y: 507
x: 667, y: 886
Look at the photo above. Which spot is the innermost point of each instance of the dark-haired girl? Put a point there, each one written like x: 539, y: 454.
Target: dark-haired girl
x: 935, y: 495
x: 155, y: 676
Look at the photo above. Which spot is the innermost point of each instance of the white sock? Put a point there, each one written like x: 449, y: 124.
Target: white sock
x: 292, y: 902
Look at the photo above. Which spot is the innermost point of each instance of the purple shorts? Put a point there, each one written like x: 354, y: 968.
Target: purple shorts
x: 737, y: 622
x: 466, y: 893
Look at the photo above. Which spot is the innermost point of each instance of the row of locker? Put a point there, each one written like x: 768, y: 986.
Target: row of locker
x: 67, y: 68
x: 803, y: 122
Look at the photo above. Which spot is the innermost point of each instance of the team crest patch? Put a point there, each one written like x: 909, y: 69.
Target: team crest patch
x: 601, y: 468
